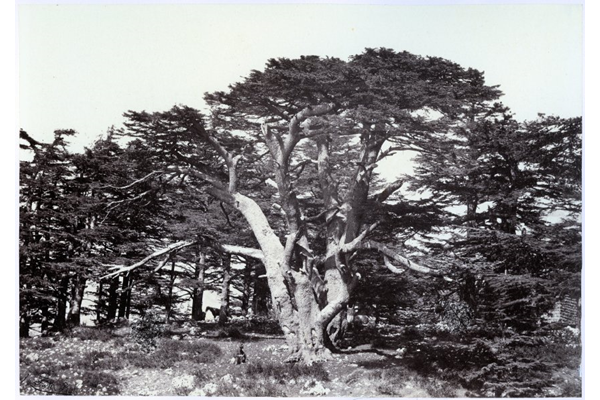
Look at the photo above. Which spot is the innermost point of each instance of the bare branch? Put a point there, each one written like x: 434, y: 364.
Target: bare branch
x: 203, y: 134
x: 132, y: 183
x: 294, y: 126
x: 201, y: 175
x: 230, y: 160
x: 243, y: 251
x: 353, y: 245
x: 396, y: 256
x: 289, y: 247
x: 388, y: 264
x: 163, y: 263
x: 167, y: 250
x: 269, y: 136
x: 322, y: 214
x: 389, y: 190
x: 226, y: 214
x: 113, y: 204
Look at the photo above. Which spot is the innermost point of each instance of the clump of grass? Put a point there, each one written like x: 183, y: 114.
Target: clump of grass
x: 38, y: 344
x: 266, y: 389
x: 284, y: 372
x: 572, y: 389
x: 169, y: 352
x: 62, y: 387
x: 101, y: 360
x: 443, y: 389
x: 230, y: 332
x: 196, y: 351
x: 200, y: 377
x: 98, y: 380
x: 144, y: 360
x: 90, y: 333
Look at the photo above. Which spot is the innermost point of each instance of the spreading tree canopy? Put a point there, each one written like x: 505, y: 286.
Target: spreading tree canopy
x: 314, y: 129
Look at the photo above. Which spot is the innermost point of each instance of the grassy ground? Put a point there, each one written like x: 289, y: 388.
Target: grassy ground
x: 406, y: 364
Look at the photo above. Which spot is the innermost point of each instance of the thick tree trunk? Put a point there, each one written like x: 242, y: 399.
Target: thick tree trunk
x: 77, y: 292
x: 198, y: 293
x: 128, y: 306
x: 113, y: 298
x: 24, y: 325
x: 247, y: 289
x: 472, y: 202
x: 125, y: 292
x: 45, y: 325
x: 224, y: 310
x: 260, y: 298
x: 276, y: 268
x: 60, y: 321
x: 169, y: 306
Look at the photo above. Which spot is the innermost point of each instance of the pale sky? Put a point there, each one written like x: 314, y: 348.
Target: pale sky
x: 82, y: 66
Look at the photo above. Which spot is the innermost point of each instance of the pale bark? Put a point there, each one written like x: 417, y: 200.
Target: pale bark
x: 99, y: 301
x: 77, y: 292
x: 308, y: 291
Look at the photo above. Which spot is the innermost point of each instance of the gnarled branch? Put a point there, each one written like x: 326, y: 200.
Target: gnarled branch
x: 119, y: 269
x: 404, y: 261
x: 388, y: 191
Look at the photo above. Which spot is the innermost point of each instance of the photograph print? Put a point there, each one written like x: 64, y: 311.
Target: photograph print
x: 297, y: 200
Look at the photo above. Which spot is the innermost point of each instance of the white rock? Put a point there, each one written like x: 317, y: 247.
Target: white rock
x: 183, y: 381
x: 210, y: 388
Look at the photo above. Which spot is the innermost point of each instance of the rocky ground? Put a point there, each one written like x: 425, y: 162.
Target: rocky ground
x: 94, y: 362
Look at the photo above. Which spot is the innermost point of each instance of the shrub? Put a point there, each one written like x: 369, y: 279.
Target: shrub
x: 169, y: 352
x: 196, y: 351
x: 97, y: 380
x: 230, y: 332
x: 147, y: 330
x: 90, y: 333
x: 101, y: 360
x: 284, y: 372
x: 254, y: 388
x: 38, y: 344
x: 145, y: 360
x: 572, y: 389
x: 412, y: 333
x: 62, y: 387
x: 200, y: 376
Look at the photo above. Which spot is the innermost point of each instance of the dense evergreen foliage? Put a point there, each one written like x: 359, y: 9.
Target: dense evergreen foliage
x: 485, y: 235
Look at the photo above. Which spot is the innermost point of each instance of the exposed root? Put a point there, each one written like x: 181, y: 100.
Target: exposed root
x: 308, y: 357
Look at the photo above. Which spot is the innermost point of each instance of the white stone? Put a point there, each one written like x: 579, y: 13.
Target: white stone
x: 184, y: 382
x: 197, y: 392
x: 210, y: 388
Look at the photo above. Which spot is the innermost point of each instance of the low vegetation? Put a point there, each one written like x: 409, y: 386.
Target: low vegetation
x: 412, y: 362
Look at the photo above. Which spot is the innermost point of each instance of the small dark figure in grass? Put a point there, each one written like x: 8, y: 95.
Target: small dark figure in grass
x: 240, y: 358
